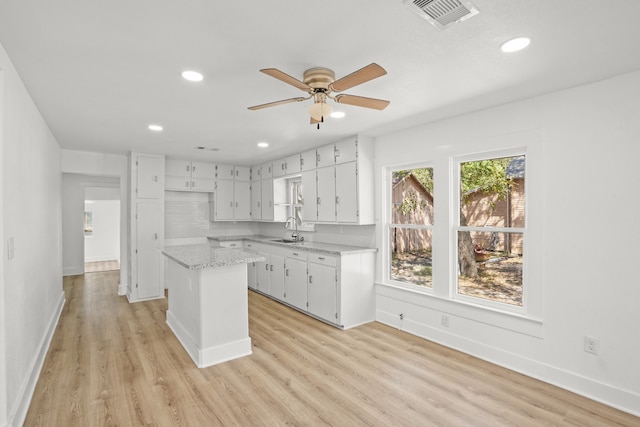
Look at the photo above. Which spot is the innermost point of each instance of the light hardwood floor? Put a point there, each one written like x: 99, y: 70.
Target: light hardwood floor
x: 112, y: 363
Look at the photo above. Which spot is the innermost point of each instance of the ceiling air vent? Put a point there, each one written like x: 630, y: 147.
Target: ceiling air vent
x: 442, y: 13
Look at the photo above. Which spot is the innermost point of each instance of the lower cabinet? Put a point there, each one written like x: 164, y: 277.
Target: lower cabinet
x: 295, y: 279
x: 323, y: 287
x: 336, y: 288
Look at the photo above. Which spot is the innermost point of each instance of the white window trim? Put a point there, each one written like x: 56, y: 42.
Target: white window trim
x: 529, y: 143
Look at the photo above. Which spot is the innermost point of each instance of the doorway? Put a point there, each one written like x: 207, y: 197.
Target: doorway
x: 101, y: 229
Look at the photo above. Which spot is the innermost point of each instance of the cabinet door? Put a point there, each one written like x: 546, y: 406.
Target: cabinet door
x: 202, y: 170
x: 242, y: 173
x: 252, y: 275
x: 323, y: 291
x: 177, y: 167
x: 308, y: 160
x: 295, y: 283
x: 346, y: 150
x: 267, y: 199
x: 326, y: 194
x: 149, y: 177
x: 256, y: 200
x: 177, y: 183
x: 276, y: 276
x: 262, y: 275
x: 255, y: 173
x: 292, y: 164
x: 224, y: 200
x: 242, y: 200
x: 266, y: 170
x: 325, y: 156
x: 279, y: 168
x: 346, y: 192
x: 225, y: 172
x: 203, y: 185
x: 309, y: 196
x: 149, y: 218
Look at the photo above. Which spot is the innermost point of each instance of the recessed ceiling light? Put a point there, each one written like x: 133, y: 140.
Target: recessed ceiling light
x: 263, y: 144
x: 156, y: 128
x: 337, y: 114
x: 515, y: 45
x: 192, y: 76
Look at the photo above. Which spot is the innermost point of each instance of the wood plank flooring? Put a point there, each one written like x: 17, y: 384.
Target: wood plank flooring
x: 96, y: 266
x: 112, y: 363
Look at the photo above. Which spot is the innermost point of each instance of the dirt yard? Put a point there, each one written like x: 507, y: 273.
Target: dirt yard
x: 500, y: 277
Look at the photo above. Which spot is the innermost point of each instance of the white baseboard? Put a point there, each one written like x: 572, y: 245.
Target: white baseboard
x: 18, y: 413
x: 624, y: 400
x: 73, y: 271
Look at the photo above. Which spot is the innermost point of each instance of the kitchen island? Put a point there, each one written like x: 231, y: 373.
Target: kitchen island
x: 208, y: 302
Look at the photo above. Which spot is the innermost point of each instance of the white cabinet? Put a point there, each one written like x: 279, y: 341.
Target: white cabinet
x: 266, y: 190
x: 310, y: 196
x: 252, y: 267
x: 287, y: 166
x: 147, y: 227
x: 308, y: 160
x: 326, y: 196
x: 256, y: 173
x: 232, y: 200
x: 337, y: 288
x: 225, y: 171
x: 323, y: 287
x: 185, y: 175
x: 242, y: 173
x: 256, y: 200
x: 344, y: 190
x: 149, y: 176
x: 266, y: 170
x: 295, y: 279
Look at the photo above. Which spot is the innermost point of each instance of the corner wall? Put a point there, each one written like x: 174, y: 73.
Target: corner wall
x: 589, y: 230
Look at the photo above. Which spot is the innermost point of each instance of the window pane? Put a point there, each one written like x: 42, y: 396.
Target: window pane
x: 411, y: 255
x: 490, y: 266
x: 492, y: 192
x: 412, y: 196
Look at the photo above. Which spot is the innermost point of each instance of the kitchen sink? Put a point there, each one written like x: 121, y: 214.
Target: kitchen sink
x: 284, y: 241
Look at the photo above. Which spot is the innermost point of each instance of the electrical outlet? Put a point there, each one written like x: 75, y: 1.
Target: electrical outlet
x: 445, y: 321
x: 591, y: 345
x: 401, y: 316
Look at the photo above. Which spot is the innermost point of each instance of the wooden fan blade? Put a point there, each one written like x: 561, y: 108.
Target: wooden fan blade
x: 361, y: 101
x: 364, y: 74
x: 313, y: 121
x: 275, y: 73
x: 273, y: 104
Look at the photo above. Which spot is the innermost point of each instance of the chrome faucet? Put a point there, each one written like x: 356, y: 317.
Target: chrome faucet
x: 295, y: 236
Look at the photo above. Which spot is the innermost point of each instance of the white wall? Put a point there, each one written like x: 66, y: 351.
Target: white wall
x: 31, y: 216
x: 588, y: 207
x: 104, y: 242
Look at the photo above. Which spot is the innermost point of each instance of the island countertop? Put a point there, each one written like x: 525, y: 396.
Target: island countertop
x: 328, y: 248
x: 200, y: 256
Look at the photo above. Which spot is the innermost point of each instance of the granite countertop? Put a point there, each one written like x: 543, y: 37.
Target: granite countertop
x: 197, y: 257
x: 328, y: 248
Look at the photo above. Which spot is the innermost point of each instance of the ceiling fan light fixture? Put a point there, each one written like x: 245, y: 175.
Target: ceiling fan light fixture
x: 320, y: 110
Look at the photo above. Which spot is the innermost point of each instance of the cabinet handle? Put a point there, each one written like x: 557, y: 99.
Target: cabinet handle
x: 237, y: 173
x: 155, y: 178
x: 187, y: 168
x: 321, y: 258
x: 271, y: 268
x: 193, y: 168
x: 310, y: 279
x: 193, y: 184
x: 230, y: 204
x: 258, y: 204
x: 236, y: 204
x: 155, y: 236
x: 186, y: 184
x: 337, y: 152
x: 337, y: 200
x: 266, y: 267
x: 286, y: 272
x: 317, y: 157
x: 295, y: 253
x: 319, y: 201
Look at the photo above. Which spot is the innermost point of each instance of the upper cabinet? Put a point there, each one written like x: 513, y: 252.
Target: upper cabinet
x: 287, y: 166
x: 149, y: 174
x: 239, y: 173
x: 185, y: 175
x: 308, y: 160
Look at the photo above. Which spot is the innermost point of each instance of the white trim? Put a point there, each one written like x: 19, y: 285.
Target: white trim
x: 18, y: 413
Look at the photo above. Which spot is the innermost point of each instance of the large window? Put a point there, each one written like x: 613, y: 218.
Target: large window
x: 490, y: 232
x: 411, y: 228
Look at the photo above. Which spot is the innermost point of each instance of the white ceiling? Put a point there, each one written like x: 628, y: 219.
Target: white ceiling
x: 100, y: 72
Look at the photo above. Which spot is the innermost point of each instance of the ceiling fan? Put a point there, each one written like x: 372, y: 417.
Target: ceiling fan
x: 321, y: 84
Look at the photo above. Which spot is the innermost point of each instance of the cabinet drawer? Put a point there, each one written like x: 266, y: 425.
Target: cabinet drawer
x: 297, y: 254
x: 250, y: 246
x: 231, y: 244
x: 323, y: 259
